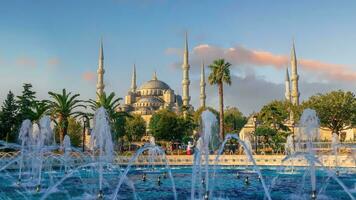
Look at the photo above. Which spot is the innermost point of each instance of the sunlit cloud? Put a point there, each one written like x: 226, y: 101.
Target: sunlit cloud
x: 242, y: 56
x: 26, y: 61
x: 173, y: 51
x: 251, y: 92
x: 89, y: 76
x: 53, y: 61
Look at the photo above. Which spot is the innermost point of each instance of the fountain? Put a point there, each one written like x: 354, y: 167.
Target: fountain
x: 101, y: 143
x: 25, y: 137
x: 207, y: 143
x: 67, y: 147
x: 335, y: 144
x: 289, y: 147
x: 155, y: 155
x: 308, y: 133
x: 43, y: 170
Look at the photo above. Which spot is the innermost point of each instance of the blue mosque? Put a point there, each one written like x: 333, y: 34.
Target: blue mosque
x: 154, y: 94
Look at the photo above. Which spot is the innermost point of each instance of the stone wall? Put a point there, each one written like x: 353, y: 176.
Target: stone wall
x: 234, y: 160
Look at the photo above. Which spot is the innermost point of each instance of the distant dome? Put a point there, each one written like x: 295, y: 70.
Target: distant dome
x: 155, y: 84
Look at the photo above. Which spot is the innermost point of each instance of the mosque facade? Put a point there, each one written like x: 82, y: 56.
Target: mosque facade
x: 154, y: 94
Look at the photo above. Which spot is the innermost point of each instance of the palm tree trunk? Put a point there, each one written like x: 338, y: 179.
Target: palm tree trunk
x: 61, y: 129
x: 65, y: 127
x: 221, y: 102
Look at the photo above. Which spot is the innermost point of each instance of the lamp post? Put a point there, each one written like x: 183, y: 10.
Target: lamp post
x: 254, y: 118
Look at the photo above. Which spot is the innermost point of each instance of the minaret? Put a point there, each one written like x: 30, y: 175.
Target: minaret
x: 295, y: 77
x: 133, y: 80
x: 100, y: 82
x: 154, y: 77
x: 202, y: 86
x: 287, y: 84
x: 186, y: 82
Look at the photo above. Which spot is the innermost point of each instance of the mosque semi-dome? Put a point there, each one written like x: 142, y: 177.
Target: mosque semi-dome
x: 151, y: 100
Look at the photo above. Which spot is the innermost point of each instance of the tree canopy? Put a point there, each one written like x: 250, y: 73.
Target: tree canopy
x: 62, y: 106
x: 234, y: 120
x: 167, y: 125
x: 220, y: 74
x: 274, y: 114
x: 135, y: 127
x: 9, y: 122
x: 117, y: 118
x: 336, y: 110
x: 26, y: 102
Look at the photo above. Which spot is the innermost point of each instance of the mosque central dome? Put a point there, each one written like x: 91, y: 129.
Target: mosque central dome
x: 155, y: 84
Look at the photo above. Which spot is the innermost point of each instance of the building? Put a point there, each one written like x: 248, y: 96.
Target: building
x: 154, y: 94
x: 151, y: 96
x: 292, y: 95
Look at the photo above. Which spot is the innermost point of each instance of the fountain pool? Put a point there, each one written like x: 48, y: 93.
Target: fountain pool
x: 230, y: 184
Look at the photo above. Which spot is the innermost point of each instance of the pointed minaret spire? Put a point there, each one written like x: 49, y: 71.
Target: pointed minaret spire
x: 202, y: 86
x: 100, y: 81
x: 294, y: 76
x: 133, y: 80
x: 186, y: 81
x: 154, y: 77
x: 287, y: 84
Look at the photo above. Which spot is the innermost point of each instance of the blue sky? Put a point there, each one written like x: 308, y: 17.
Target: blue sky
x: 54, y: 44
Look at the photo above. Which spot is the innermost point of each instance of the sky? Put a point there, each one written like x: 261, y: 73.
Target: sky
x: 55, y: 45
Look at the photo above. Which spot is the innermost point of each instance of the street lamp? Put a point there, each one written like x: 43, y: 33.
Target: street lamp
x: 254, y: 118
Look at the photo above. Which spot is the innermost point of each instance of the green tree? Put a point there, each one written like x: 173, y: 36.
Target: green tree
x: 234, y: 120
x: 185, y: 126
x: 336, y: 110
x: 295, y: 109
x: 26, y: 102
x: 265, y: 134
x: 9, y: 119
x: 164, y: 125
x: 271, y: 136
x: 119, y: 126
x: 75, y: 132
x: 135, y: 127
x: 197, y: 114
x: 62, y: 106
x: 109, y: 102
x: 220, y: 74
x: 39, y: 109
x: 275, y: 114
x: 111, y: 105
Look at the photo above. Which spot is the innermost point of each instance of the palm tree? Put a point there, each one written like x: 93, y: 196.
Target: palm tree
x: 109, y: 102
x: 62, y: 107
x: 220, y: 74
x: 111, y: 105
x: 40, y: 108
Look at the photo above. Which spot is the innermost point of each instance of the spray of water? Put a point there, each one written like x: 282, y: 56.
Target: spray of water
x: 101, y: 142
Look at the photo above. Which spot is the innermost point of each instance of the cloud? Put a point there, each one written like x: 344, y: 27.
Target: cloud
x: 173, y: 51
x: 89, y: 76
x: 251, y: 92
x: 240, y: 56
x: 53, y: 61
x: 26, y: 61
